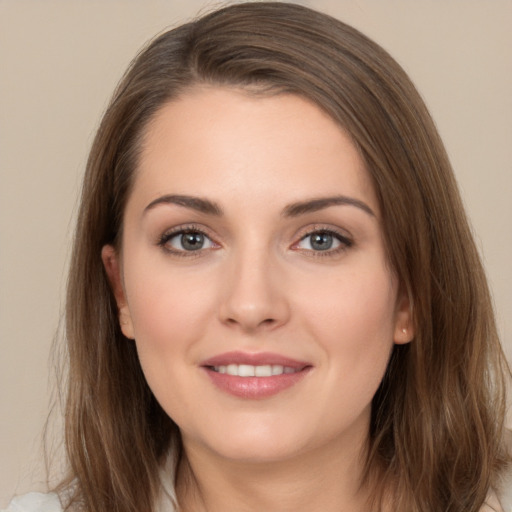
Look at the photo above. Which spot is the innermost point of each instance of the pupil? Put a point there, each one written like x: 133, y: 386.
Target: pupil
x: 321, y: 241
x: 192, y: 241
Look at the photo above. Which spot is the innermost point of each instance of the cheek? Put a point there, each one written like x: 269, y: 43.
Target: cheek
x: 170, y: 313
x: 169, y: 309
x: 364, y: 300
x: 353, y: 322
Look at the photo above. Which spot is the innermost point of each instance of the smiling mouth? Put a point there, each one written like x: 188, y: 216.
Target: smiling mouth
x: 248, y: 370
x: 254, y: 376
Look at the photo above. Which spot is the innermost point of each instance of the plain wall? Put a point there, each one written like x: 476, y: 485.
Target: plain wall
x: 59, y: 62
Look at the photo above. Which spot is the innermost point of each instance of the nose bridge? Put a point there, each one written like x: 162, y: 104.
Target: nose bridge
x: 253, y: 297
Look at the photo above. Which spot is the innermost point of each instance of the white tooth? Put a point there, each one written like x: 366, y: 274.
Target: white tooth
x: 263, y: 371
x: 246, y: 370
x: 232, y: 369
x: 277, y: 369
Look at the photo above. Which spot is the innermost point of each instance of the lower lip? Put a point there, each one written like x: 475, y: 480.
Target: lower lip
x: 255, y: 387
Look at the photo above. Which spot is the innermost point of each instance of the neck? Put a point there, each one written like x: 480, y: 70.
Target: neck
x: 326, y: 479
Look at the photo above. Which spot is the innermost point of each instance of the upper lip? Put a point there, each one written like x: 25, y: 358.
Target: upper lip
x: 254, y: 359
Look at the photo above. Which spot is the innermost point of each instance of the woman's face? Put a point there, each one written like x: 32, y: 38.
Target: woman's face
x: 253, y: 276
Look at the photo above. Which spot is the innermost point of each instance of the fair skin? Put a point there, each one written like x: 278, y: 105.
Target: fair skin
x: 228, y: 259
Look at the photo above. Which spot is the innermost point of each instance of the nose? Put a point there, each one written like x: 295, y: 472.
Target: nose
x: 254, y: 296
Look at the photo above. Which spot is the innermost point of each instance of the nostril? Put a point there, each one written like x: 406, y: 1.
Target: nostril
x: 251, y: 325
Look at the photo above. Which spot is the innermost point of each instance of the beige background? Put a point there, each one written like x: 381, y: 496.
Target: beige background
x: 59, y: 61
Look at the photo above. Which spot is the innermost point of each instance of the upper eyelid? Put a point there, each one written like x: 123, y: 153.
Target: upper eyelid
x: 186, y: 228
x: 316, y: 228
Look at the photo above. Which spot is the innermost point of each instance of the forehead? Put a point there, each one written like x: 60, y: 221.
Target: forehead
x: 219, y: 140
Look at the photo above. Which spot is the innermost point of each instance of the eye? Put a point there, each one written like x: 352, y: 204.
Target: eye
x: 186, y: 240
x: 323, y: 241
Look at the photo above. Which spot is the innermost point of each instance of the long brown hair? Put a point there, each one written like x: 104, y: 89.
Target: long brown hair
x: 438, y: 417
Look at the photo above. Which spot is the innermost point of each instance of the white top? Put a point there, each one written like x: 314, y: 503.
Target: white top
x: 35, y: 502
x: 39, y: 502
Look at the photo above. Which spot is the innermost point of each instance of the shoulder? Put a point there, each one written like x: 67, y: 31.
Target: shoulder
x: 35, y: 502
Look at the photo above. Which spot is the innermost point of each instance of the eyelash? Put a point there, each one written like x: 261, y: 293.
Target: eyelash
x: 164, y: 240
x: 345, y: 242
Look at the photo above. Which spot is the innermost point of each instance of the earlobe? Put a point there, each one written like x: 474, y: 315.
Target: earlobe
x: 403, y: 336
x: 112, y: 266
x: 404, y: 325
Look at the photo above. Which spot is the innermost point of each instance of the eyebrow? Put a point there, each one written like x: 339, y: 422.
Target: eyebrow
x: 314, y: 205
x: 292, y: 210
x: 194, y: 203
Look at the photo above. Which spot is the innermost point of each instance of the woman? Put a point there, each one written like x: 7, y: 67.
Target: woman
x: 275, y: 301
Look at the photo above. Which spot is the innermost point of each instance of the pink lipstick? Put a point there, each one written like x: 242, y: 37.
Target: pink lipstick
x: 254, y: 376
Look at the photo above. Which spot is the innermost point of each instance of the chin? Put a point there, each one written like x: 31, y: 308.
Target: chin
x: 259, y: 451
x: 251, y: 443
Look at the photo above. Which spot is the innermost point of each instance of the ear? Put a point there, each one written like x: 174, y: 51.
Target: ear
x: 112, y: 266
x: 404, y: 325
